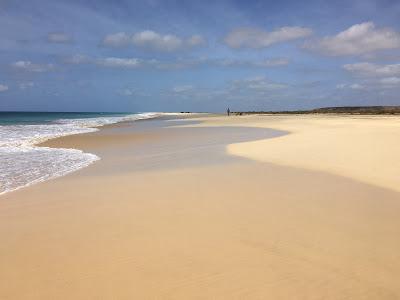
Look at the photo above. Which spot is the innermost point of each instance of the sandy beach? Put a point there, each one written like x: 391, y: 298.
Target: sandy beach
x: 211, y: 207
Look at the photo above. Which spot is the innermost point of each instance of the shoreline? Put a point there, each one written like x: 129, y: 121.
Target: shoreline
x: 343, y: 145
x: 46, y: 142
x: 168, y: 213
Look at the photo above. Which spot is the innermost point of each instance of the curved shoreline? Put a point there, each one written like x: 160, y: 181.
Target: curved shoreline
x: 167, y: 213
x: 362, y: 148
x: 41, y: 146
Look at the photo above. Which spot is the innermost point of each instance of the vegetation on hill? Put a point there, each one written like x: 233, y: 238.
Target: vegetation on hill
x: 353, y: 110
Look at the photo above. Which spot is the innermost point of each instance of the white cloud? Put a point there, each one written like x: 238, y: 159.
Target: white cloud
x: 266, y: 63
x: 370, y: 69
x: 260, y: 84
x: 118, y: 39
x: 59, y: 37
x: 25, y: 85
x: 31, y: 67
x: 182, y: 64
x: 3, y: 87
x: 77, y: 59
x: 257, y: 38
x: 126, y: 92
x: 354, y: 86
x: 272, y: 62
x: 115, y: 62
x: 175, y: 64
x: 390, y: 81
x: 182, y: 88
x: 152, y: 40
x: 372, y: 84
x: 359, y: 39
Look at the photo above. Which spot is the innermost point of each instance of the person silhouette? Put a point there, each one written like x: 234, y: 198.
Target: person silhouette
x: 228, y: 111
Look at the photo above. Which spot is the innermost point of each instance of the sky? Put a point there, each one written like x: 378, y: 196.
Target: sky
x: 154, y: 55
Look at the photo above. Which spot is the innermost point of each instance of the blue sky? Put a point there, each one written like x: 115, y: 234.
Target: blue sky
x: 198, y: 55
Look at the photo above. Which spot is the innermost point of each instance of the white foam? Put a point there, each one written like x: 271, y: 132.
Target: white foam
x: 22, y: 163
x: 24, y: 167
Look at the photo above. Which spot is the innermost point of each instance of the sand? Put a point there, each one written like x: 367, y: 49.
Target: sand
x: 365, y: 148
x: 169, y: 214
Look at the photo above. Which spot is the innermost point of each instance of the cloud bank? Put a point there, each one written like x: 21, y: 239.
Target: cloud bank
x: 152, y: 40
x: 255, y: 38
x: 25, y: 85
x: 28, y: 66
x: 374, y: 76
x: 175, y: 64
x: 359, y: 39
x: 115, y: 62
x: 367, y: 69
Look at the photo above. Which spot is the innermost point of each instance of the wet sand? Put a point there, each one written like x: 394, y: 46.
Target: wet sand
x: 167, y: 213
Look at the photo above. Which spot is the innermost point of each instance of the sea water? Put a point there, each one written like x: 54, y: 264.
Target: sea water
x: 23, y: 163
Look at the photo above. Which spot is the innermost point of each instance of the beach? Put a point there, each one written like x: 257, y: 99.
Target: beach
x: 213, y: 207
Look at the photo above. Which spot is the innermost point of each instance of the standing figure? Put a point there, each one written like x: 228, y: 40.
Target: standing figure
x: 228, y: 111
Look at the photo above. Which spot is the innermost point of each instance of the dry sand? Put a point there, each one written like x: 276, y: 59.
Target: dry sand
x: 365, y: 148
x: 167, y: 214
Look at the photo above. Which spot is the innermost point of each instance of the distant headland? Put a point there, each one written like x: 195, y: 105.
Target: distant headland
x: 352, y: 110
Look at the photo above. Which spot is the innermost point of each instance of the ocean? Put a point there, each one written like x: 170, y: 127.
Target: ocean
x: 23, y: 163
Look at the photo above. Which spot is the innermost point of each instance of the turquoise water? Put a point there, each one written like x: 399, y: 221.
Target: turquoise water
x: 23, y: 163
x: 13, y: 118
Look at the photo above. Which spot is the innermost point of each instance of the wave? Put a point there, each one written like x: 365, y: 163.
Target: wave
x: 23, y: 163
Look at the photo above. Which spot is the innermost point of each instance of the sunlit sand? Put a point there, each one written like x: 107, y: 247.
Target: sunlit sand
x: 213, y: 208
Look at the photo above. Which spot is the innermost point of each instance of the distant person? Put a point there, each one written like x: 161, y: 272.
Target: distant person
x: 228, y: 111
